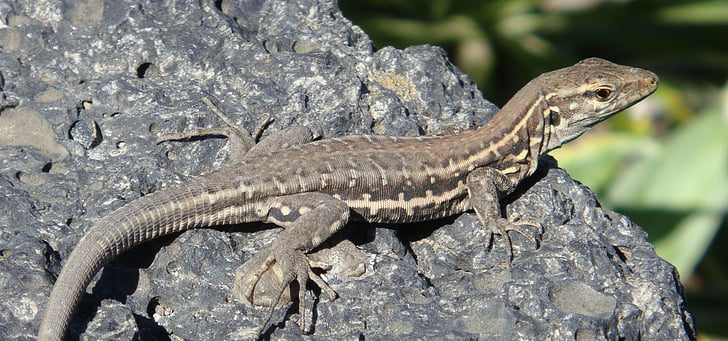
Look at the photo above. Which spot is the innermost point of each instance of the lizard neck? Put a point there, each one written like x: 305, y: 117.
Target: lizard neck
x: 513, y: 141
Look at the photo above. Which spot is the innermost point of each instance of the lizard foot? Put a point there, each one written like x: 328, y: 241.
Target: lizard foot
x: 240, y: 138
x: 500, y: 226
x: 265, y: 283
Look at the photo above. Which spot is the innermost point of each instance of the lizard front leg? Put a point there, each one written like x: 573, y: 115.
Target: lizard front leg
x: 484, y: 186
x: 309, y: 219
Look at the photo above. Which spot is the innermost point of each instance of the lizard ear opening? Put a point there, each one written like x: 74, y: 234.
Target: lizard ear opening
x: 554, y: 118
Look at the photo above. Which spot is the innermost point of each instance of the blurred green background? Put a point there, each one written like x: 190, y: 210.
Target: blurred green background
x: 664, y: 162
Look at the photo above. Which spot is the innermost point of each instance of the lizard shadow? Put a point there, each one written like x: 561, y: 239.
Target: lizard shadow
x: 120, y: 277
x: 373, y: 236
x: 413, y: 232
x: 116, y: 281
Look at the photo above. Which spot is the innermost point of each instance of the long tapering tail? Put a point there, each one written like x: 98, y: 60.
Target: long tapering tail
x: 166, y: 211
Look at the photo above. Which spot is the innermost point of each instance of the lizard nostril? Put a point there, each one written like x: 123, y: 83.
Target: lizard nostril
x: 653, y: 79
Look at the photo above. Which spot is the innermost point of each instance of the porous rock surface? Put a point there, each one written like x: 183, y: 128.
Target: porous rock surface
x: 87, y: 87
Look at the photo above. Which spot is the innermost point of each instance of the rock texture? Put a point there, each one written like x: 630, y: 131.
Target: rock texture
x: 87, y: 87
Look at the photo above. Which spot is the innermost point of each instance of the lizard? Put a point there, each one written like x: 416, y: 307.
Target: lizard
x: 313, y: 188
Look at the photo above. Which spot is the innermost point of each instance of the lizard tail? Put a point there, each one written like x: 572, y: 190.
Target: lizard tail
x: 166, y: 211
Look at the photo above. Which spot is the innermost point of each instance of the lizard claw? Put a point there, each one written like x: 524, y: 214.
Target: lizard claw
x: 515, y: 218
x: 501, y: 227
x: 256, y: 287
x: 295, y: 266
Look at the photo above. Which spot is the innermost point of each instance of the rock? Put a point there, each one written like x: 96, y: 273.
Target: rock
x: 86, y: 133
x: 88, y: 89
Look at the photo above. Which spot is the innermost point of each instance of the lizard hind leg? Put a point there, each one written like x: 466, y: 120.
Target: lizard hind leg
x: 244, y: 144
x: 308, y: 219
x: 240, y: 139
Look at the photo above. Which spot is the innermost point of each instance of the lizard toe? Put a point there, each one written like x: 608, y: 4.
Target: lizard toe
x: 501, y: 227
x: 265, y: 280
x: 294, y: 265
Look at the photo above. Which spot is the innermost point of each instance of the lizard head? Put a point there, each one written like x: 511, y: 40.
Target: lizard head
x: 582, y: 95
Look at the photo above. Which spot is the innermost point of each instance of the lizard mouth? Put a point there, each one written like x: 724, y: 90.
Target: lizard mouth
x: 590, y: 121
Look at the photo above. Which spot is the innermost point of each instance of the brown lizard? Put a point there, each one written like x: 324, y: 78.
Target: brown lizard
x: 312, y: 189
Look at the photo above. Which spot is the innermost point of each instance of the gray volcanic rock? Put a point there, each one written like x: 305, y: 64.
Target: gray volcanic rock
x: 87, y: 87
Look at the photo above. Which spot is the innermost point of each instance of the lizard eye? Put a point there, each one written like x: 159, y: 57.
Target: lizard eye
x: 602, y: 94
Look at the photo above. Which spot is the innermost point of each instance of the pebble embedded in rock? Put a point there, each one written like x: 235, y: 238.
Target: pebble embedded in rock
x: 86, y: 132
